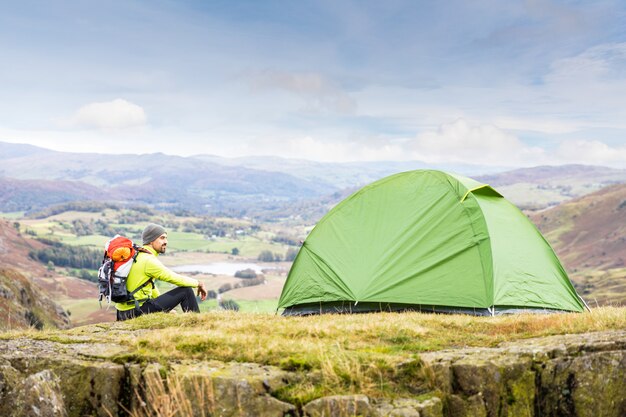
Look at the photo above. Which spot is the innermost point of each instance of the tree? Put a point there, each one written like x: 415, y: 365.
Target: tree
x: 234, y: 251
x: 245, y: 273
x: 291, y: 254
x: 224, y: 288
x: 266, y: 256
x: 229, y: 305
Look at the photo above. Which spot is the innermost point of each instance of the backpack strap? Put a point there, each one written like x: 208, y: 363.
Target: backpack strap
x: 150, y: 281
x: 132, y: 293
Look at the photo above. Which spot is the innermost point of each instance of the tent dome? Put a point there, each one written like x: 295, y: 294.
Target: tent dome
x: 429, y: 241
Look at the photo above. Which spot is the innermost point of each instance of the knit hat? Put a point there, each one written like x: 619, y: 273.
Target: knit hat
x: 151, y: 233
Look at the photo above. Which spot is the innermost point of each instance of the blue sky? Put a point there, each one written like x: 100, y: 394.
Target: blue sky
x: 507, y: 83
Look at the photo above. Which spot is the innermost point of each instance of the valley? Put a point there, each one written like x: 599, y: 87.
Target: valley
x: 54, y: 225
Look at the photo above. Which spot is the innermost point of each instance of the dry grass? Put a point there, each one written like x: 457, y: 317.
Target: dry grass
x: 168, y: 397
x: 372, y: 354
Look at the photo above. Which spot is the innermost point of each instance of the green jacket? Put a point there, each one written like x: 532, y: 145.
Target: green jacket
x: 148, y: 266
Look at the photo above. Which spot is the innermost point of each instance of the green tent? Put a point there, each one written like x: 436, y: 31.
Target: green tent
x: 428, y: 241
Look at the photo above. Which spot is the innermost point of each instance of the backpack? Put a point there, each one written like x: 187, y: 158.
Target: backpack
x: 120, y: 253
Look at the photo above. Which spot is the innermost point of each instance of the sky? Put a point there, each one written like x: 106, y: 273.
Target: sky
x: 487, y: 82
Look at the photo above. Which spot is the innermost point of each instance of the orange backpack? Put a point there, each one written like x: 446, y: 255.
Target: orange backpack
x: 120, y: 253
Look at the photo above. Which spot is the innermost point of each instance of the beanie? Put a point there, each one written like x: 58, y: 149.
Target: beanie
x: 151, y: 232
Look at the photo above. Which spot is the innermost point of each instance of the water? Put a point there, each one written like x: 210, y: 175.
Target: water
x: 219, y: 268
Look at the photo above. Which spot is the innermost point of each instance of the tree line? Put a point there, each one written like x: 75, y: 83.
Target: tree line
x: 67, y: 256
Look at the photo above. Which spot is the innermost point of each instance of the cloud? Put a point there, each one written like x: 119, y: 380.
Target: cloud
x: 318, y: 92
x: 116, y: 114
x: 591, y: 84
x: 591, y: 152
x: 483, y: 144
x: 459, y: 141
x: 602, y: 62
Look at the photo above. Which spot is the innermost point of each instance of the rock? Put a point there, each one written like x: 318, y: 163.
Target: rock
x: 473, y: 406
x: 339, y: 406
x: 571, y: 375
x: 567, y: 375
x: 585, y: 386
x: 431, y: 407
x: 10, y: 385
x: 88, y: 385
x: 24, y: 305
x: 231, y: 389
x: 39, y: 396
x: 6, y: 292
x: 409, y: 407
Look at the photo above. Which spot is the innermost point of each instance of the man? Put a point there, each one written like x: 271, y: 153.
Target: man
x: 149, y: 268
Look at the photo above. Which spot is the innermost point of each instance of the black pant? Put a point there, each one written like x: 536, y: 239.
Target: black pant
x: 164, y: 302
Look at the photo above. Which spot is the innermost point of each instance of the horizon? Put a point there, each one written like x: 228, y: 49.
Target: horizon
x: 510, y: 85
x: 465, y: 169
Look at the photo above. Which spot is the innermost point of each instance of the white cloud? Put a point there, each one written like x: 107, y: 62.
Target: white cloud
x: 116, y: 114
x: 318, y: 92
x: 463, y: 141
x: 592, y: 152
x: 590, y: 86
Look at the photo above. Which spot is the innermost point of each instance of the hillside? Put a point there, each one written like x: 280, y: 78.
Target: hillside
x: 172, y: 182
x: 24, y: 303
x: 589, y: 236
x: 18, y: 195
x: 545, y: 186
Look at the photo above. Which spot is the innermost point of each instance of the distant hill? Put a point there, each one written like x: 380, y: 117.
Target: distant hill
x: 157, y: 179
x: 32, y: 178
x: 589, y: 236
x: 339, y: 175
x: 17, y: 195
x: 545, y: 186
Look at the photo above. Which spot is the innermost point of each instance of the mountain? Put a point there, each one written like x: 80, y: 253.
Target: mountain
x: 589, y: 236
x: 16, y: 195
x: 24, y: 303
x: 338, y: 175
x: 545, y: 186
x: 267, y: 187
x: 163, y: 180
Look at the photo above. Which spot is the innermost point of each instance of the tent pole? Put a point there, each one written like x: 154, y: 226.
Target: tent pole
x: 581, y: 299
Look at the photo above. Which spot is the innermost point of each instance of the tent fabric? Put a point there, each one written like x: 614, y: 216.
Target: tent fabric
x: 426, y: 240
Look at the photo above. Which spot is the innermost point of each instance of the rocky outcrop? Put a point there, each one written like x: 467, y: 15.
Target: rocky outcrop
x: 23, y: 305
x: 572, y: 375
x: 569, y: 375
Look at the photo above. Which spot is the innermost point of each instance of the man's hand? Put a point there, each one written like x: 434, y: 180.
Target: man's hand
x: 201, y: 290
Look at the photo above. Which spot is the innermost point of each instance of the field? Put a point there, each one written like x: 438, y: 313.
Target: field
x: 239, y: 242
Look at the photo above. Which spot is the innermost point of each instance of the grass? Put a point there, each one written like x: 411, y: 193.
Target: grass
x: 80, y: 307
x: 14, y: 215
x: 373, y: 354
x: 249, y: 246
x: 187, y: 241
x: 90, y: 240
x: 246, y: 306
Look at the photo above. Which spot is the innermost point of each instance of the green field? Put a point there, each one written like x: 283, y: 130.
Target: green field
x: 91, y: 240
x: 15, y: 215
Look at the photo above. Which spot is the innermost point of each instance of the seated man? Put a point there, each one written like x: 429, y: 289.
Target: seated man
x: 148, y: 267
